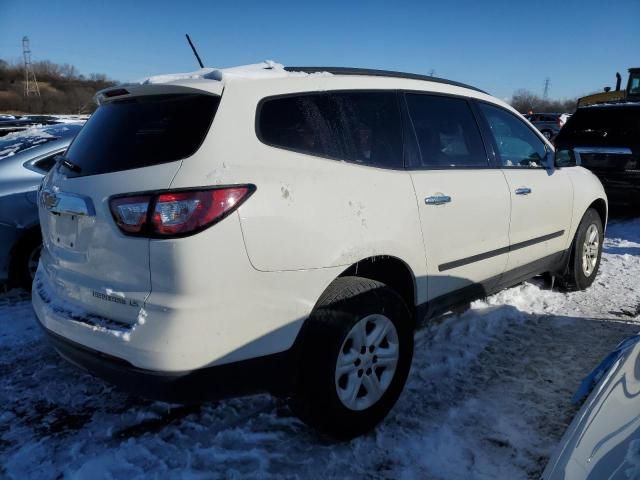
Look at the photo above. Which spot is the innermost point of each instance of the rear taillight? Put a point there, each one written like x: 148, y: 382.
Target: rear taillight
x: 176, y: 213
x: 130, y: 213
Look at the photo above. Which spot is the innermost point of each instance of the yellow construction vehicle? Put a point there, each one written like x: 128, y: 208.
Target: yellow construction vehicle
x: 631, y: 94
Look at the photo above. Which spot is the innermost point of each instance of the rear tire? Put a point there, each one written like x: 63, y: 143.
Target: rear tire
x: 24, y: 261
x: 356, y: 351
x: 586, y: 252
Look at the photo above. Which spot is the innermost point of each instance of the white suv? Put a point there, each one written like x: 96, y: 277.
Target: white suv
x: 285, y: 229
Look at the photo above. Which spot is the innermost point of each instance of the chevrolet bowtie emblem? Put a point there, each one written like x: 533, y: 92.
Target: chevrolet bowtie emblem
x: 49, y: 199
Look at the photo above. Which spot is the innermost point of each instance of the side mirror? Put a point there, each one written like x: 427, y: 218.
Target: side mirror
x: 565, y: 158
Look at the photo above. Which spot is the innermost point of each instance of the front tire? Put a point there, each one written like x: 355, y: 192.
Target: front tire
x: 356, y: 351
x: 586, y: 252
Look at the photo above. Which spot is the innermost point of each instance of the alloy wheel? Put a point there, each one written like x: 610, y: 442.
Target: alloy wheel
x: 590, y: 249
x: 367, y: 362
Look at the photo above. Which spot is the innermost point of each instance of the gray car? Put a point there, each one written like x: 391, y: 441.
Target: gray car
x: 25, y: 157
x: 549, y: 124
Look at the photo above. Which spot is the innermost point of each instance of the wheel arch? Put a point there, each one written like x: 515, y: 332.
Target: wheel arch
x: 390, y: 270
x: 600, y: 206
x: 33, y: 230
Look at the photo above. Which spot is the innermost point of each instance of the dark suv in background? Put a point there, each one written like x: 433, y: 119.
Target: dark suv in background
x: 606, y: 140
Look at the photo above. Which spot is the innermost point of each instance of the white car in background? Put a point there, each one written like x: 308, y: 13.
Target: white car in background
x: 286, y: 229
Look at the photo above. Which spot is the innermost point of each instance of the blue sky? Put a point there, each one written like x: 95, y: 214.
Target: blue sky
x: 499, y: 46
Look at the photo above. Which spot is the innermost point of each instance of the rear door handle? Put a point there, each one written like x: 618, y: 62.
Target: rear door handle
x: 523, y: 191
x: 437, y: 200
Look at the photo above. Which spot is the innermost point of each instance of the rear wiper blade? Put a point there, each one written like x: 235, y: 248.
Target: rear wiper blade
x: 71, y: 166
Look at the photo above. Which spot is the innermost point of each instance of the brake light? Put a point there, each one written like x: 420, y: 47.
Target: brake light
x: 130, y: 213
x: 176, y: 213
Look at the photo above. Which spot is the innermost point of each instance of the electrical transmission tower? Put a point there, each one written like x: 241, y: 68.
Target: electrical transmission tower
x: 30, y: 82
x: 547, y: 86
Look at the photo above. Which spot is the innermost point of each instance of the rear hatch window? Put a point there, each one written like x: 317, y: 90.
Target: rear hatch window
x: 602, y: 126
x: 140, y: 132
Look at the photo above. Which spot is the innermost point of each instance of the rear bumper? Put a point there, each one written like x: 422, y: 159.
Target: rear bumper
x: 272, y: 373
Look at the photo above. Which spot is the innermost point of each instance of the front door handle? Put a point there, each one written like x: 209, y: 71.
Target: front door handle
x: 437, y: 199
x: 523, y: 191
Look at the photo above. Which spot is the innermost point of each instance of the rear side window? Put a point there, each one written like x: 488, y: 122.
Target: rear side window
x: 142, y: 131
x: 358, y: 127
x: 517, y: 145
x: 446, y: 132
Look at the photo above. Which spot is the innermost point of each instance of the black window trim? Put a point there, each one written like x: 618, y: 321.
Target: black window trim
x: 490, y: 147
x: 490, y: 137
x: 491, y: 164
x: 262, y: 140
x: 31, y: 163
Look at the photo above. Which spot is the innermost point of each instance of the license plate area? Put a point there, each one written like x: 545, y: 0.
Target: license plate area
x: 64, y: 231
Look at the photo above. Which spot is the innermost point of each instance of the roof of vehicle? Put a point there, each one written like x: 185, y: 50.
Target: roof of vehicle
x: 621, y: 104
x: 379, y: 73
x: 214, y: 80
x: 271, y: 70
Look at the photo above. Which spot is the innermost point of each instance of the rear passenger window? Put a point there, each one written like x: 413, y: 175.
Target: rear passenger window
x: 358, y: 127
x: 446, y: 132
x: 517, y: 145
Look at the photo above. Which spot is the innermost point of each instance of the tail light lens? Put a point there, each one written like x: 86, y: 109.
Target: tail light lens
x: 130, y: 213
x: 176, y: 213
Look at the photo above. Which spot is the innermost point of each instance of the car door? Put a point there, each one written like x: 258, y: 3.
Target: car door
x: 463, y: 201
x: 541, y: 195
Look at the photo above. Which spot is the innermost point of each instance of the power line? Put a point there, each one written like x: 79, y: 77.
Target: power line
x: 547, y: 86
x: 30, y: 82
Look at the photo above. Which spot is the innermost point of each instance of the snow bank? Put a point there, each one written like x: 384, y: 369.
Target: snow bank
x: 489, y: 396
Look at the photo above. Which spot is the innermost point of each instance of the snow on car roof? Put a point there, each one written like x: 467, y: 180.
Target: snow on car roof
x: 266, y: 69
x: 33, y: 136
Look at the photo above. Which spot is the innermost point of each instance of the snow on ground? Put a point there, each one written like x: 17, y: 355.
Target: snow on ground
x: 489, y: 396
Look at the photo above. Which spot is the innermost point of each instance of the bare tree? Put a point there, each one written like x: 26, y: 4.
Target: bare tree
x: 526, y: 101
x: 63, y: 88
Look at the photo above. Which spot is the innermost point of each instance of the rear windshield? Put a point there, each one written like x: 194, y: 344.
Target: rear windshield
x: 611, y: 126
x: 140, y: 132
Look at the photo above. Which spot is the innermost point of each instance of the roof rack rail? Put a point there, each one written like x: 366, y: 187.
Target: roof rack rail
x: 379, y: 73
